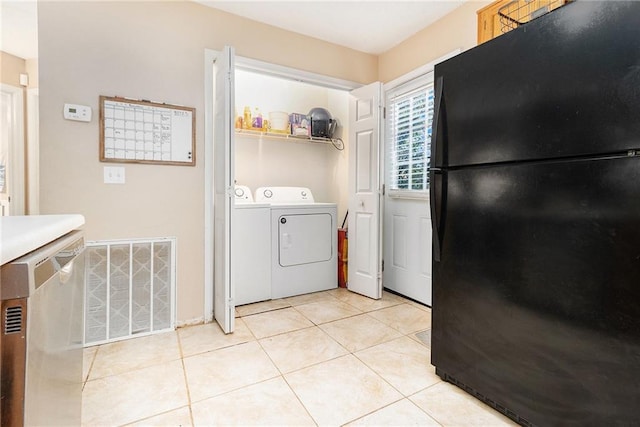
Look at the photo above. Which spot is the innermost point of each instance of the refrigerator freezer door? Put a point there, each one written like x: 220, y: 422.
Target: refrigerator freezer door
x: 564, y: 85
x: 536, y: 298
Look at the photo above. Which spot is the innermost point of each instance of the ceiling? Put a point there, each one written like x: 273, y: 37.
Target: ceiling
x: 368, y: 26
x: 19, y: 28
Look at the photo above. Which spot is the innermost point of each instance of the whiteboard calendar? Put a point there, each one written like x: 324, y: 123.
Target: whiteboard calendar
x: 146, y: 132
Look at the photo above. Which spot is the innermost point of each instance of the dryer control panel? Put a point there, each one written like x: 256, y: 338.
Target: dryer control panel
x: 284, y: 195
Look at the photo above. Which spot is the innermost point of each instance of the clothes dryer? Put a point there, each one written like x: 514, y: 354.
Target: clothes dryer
x: 303, y: 241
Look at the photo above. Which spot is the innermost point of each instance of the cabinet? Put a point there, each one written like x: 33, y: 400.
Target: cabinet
x: 489, y: 21
x: 502, y: 16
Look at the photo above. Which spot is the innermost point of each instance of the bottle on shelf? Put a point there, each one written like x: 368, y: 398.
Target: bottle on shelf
x: 246, y: 122
x: 257, y: 119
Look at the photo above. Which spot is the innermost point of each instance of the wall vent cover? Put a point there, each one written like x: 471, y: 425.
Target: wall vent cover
x: 13, y: 320
x: 129, y: 289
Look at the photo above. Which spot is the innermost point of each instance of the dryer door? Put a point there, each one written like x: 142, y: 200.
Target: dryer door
x: 304, y: 239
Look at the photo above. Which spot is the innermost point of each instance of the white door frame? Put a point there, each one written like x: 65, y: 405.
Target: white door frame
x: 259, y: 67
x: 409, y: 79
x: 33, y: 151
x: 15, y: 176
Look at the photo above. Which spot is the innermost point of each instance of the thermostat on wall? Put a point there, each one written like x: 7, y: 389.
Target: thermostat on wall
x: 81, y: 113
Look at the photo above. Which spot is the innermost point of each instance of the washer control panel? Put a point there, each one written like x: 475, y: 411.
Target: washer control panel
x: 242, y: 194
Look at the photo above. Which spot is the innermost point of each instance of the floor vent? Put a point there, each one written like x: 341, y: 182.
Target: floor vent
x: 425, y: 337
x: 13, y: 320
x: 129, y: 289
x: 509, y: 413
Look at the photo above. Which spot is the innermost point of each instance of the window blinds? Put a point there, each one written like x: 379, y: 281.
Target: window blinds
x: 410, y: 113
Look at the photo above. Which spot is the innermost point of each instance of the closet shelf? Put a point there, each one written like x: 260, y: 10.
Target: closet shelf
x: 336, y: 142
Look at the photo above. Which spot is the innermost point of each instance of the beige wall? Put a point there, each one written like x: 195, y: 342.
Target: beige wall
x: 457, y: 30
x: 155, y: 50
x: 32, y: 71
x: 10, y: 69
x: 148, y: 50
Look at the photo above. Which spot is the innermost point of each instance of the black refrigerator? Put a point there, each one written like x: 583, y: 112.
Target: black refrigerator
x: 535, y: 198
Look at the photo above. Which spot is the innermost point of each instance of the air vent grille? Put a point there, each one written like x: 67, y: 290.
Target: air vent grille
x: 129, y: 289
x: 13, y: 320
x: 509, y: 413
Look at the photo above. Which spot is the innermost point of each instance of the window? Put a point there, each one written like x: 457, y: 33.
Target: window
x: 410, y: 113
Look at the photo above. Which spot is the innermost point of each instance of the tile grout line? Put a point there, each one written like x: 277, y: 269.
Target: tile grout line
x: 95, y: 354
x: 151, y: 416
x: 315, y: 363
x: 151, y: 365
x: 378, y: 409
x: 270, y: 310
x: 290, y: 305
x: 404, y: 397
x: 285, y: 379
x: 233, y: 390
x: 299, y: 400
x: 186, y: 380
x: 432, y: 416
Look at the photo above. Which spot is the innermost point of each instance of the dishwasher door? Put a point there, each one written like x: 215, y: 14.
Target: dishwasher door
x: 51, y: 280
x: 53, y: 389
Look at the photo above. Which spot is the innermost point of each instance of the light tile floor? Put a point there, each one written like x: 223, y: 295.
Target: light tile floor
x: 329, y: 358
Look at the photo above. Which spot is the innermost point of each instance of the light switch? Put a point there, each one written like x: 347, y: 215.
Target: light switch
x: 114, y: 175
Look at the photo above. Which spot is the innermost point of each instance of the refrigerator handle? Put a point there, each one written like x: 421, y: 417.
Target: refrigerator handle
x: 436, y: 197
x: 437, y: 150
x: 435, y: 201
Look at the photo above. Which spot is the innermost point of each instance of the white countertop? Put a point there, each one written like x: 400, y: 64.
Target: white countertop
x: 20, y: 235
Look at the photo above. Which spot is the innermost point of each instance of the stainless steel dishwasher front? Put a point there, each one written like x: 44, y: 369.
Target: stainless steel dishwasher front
x: 42, y: 325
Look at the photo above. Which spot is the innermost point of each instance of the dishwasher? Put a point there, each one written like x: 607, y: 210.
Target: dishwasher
x: 41, y: 352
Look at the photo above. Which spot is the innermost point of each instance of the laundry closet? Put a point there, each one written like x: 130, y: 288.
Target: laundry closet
x: 277, y: 199
x: 290, y: 184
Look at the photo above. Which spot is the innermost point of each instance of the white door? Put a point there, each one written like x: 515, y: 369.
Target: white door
x: 223, y: 140
x: 407, y: 224
x: 365, y: 226
x: 12, y: 183
x: 407, y: 248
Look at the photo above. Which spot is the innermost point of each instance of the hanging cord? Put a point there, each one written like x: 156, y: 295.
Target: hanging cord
x: 337, y: 143
x: 345, y: 218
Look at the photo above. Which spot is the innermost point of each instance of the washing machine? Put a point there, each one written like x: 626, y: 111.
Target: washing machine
x: 303, y: 241
x: 250, y: 248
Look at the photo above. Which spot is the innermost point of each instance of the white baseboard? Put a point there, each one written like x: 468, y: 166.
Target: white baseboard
x: 189, y: 322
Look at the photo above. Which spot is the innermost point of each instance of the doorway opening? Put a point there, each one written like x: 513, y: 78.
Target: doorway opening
x: 12, y: 151
x: 363, y: 168
x: 409, y: 102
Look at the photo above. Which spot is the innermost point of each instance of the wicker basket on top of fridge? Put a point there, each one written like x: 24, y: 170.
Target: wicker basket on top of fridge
x: 519, y: 12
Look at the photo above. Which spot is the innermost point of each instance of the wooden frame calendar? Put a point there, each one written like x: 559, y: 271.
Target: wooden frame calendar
x: 139, y: 131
